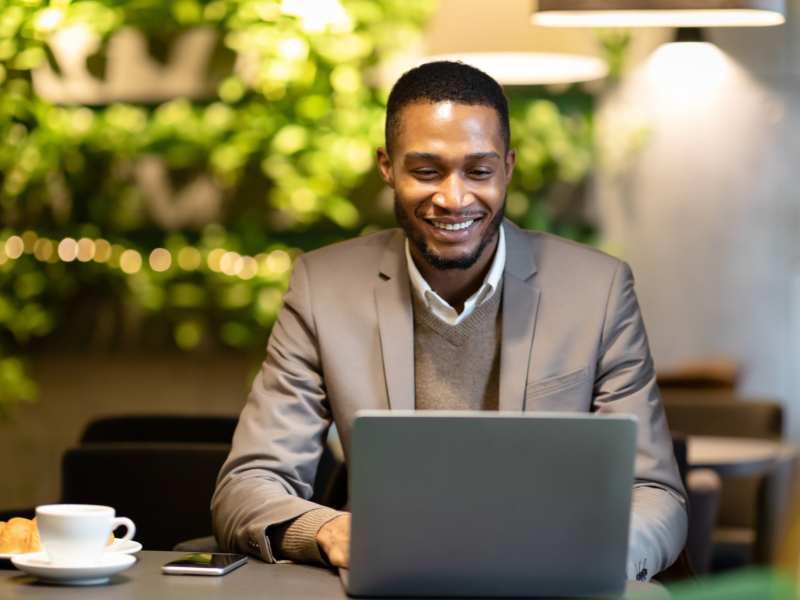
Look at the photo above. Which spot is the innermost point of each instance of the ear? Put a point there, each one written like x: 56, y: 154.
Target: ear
x: 511, y: 159
x: 385, y: 167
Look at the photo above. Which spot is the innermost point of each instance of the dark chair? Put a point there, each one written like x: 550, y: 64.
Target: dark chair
x: 161, y: 428
x: 188, y: 429
x: 733, y: 419
x: 704, y: 488
x: 680, y: 451
x: 702, y: 373
x: 750, y: 514
x: 165, y: 489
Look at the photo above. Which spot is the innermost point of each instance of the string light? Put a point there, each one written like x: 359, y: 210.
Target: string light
x: 189, y: 259
x: 214, y: 258
x: 130, y: 262
x: 86, y: 250
x: 227, y: 264
x: 102, y: 251
x: 218, y: 260
x: 43, y: 249
x: 68, y: 250
x: 160, y: 259
x: 246, y: 268
x: 14, y: 247
x: 279, y: 261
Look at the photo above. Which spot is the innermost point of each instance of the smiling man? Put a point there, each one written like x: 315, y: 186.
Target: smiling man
x: 456, y: 310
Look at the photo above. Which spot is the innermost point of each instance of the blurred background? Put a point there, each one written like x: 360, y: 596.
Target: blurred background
x: 162, y: 163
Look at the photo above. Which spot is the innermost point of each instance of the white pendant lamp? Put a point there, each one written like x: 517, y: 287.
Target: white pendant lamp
x: 531, y: 68
x: 500, y: 40
x: 659, y: 13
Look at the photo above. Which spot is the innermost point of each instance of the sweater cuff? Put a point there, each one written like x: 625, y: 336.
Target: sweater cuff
x: 296, y: 540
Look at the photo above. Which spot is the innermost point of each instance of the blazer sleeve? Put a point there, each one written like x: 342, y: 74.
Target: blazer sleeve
x: 625, y: 382
x: 268, y: 476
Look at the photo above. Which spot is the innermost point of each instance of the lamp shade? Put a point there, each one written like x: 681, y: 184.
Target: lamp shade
x: 659, y: 13
x: 531, y: 68
x: 498, y: 38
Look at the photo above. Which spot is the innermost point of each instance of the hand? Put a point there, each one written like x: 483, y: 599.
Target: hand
x: 334, y: 539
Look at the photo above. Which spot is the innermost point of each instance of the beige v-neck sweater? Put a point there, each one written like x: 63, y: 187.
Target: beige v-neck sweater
x: 457, y: 367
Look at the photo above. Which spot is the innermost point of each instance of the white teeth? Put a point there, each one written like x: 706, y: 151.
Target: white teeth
x: 455, y: 227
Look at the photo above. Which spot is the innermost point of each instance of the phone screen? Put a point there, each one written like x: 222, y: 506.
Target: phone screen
x: 211, y: 561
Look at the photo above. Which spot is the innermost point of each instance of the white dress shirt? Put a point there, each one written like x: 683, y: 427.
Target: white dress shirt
x: 440, y: 307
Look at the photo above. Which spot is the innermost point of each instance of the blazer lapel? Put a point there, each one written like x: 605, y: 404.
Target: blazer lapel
x: 396, y: 325
x: 520, y: 305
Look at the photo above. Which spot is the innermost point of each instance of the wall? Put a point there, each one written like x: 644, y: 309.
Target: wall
x: 77, y: 389
x: 706, y: 213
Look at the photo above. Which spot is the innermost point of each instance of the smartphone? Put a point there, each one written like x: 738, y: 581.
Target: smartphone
x: 204, y: 564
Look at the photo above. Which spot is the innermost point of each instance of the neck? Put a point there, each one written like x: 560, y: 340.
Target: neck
x: 455, y: 286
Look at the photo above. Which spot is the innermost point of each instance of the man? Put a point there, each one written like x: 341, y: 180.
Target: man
x: 457, y: 310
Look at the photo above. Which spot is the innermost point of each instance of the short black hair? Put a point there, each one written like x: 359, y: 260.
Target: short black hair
x: 446, y: 81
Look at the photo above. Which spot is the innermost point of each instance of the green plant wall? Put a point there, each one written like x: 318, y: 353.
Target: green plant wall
x: 289, y: 150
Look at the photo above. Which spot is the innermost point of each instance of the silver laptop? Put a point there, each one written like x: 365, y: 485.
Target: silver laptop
x: 477, y: 504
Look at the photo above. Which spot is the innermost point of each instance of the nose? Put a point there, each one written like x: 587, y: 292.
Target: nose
x: 453, y: 196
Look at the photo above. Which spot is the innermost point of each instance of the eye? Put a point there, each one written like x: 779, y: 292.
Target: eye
x: 480, y: 173
x: 426, y: 173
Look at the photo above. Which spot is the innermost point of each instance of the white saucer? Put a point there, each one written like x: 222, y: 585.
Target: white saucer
x: 38, y: 564
x: 123, y: 547
x: 118, y: 547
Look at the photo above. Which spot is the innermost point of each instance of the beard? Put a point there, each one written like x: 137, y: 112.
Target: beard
x: 437, y: 261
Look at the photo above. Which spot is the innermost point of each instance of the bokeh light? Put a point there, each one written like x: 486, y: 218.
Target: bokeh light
x: 86, y: 250
x: 279, y: 261
x: 160, y: 259
x: 246, y: 267
x: 229, y: 262
x: 14, y: 247
x: 68, y: 250
x: 130, y: 261
x: 43, y: 249
x: 214, y: 258
x: 189, y: 259
x: 102, y: 251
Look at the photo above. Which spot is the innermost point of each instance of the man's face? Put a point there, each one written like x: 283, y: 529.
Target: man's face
x: 449, y: 171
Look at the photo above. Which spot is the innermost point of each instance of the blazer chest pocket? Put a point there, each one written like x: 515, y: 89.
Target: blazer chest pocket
x: 566, y: 393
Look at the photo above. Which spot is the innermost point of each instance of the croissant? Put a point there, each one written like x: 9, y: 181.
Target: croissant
x: 20, y: 536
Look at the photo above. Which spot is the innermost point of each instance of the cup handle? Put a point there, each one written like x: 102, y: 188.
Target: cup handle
x: 116, y: 522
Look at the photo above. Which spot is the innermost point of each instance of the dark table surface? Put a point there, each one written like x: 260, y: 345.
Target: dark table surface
x: 255, y: 580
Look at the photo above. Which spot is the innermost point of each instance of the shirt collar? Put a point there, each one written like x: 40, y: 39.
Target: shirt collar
x: 486, y: 290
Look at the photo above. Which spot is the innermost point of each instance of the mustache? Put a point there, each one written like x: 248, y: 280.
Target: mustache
x: 468, y: 213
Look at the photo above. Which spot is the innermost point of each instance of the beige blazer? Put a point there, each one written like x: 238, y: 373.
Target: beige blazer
x: 573, y: 340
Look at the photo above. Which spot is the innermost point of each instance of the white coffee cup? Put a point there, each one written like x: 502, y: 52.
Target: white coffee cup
x: 77, y: 534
